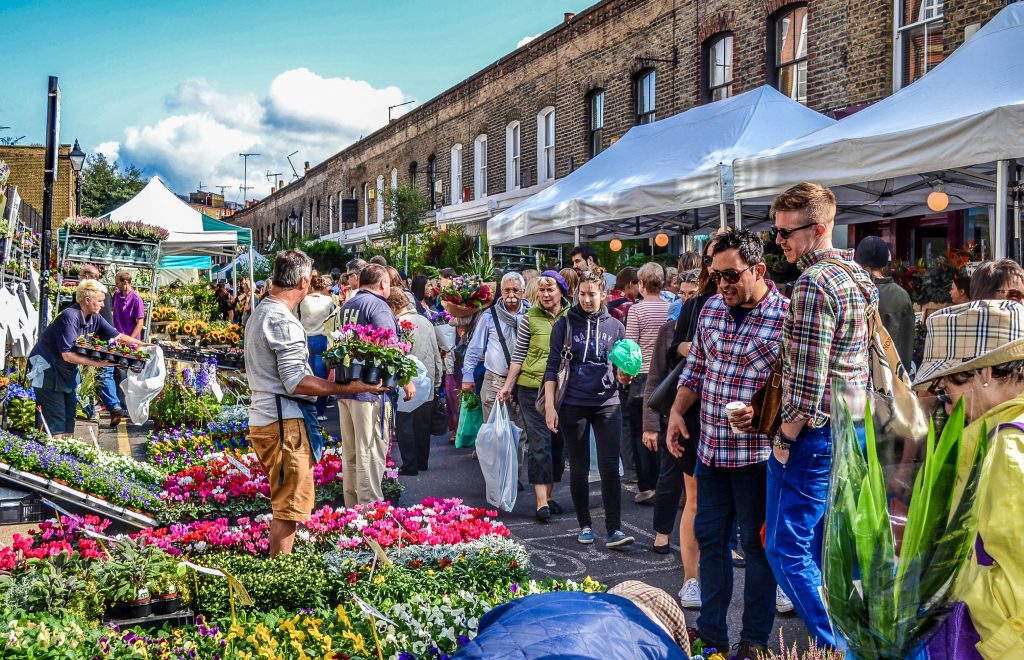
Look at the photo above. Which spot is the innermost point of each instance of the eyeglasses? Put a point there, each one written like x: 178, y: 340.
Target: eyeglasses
x: 775, y: 232
x: 730, y: 276
x: 708, y: 259
x: 1012, y: 294
x: 939, y: 392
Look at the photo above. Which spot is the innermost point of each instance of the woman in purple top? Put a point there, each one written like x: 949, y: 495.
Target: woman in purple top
x: 129, y: 311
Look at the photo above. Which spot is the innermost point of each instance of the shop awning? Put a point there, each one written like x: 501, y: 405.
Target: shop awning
x: 643, y: 181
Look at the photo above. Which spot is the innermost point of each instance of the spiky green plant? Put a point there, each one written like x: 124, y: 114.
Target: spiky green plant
x: 880, y: 602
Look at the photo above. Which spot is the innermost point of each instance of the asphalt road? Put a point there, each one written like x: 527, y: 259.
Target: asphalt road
x: 553, y: 547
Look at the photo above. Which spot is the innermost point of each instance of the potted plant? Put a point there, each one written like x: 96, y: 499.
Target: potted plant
x: 164, y: 586
x: 131, y: 567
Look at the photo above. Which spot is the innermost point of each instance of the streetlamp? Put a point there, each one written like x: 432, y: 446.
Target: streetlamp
x: 292, y: 219
x: 77, y: 157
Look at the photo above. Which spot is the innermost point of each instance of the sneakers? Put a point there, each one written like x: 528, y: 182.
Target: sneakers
x: 689, y: 595
x: 586, y: 536
x: 618, y: 540
x: 321, y: 418
x: 644, y: 497
x: 782, y: 602
x: 750, y: 651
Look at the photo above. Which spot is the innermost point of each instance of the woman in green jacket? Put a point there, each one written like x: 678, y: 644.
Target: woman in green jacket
x: 546, y: 461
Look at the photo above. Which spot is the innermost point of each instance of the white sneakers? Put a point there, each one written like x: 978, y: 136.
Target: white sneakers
x: 782, y: 602
x: 689, y: 595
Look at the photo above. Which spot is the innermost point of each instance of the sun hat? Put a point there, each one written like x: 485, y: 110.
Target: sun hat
x: 982, y: 333
x: 563, y: 286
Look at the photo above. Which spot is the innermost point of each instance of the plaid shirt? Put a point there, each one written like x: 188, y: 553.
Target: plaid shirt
x: 825, y: 335
x: 726, y: 364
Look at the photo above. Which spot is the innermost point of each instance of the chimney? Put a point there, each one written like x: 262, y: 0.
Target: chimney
x: 305, y: 171
x: 280, y: 184
x: 569, y: 16
x: 273, y: 190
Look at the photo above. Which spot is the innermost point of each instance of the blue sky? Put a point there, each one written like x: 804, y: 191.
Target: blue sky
x: 180, y: 88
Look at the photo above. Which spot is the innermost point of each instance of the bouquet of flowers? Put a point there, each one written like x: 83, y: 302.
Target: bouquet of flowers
x: 439, y: 317
x: 465, y: 295
x: 371, y: 354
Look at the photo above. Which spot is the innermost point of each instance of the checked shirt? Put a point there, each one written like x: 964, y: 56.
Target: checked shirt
x: 726, y: 364
x: 826, y: 335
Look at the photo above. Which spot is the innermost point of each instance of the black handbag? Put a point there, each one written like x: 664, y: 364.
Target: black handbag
x: 439, y: 417
x: 664, y: 395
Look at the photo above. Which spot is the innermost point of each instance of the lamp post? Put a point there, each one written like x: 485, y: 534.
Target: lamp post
x: 77, y: 157
x: 292, y: 219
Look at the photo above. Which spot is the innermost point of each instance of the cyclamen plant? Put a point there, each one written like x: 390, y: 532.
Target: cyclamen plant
x: 133, y: 230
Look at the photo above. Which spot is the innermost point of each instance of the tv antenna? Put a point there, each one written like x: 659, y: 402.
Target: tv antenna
x: 272, y: 176
x: 245, y: 187
x: 222, y: 189
x: 295, y: 173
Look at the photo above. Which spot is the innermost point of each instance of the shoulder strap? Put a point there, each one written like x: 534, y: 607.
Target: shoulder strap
x: 501, y: 336
x: 845, y: 266
x: 1018, y: 426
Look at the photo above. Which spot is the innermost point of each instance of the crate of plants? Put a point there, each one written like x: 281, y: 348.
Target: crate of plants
x: 103, y: 241
x: 123, y: 355
x: 372, y: 355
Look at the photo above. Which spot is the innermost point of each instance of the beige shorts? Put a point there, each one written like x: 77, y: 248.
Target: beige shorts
x: 293, y: 497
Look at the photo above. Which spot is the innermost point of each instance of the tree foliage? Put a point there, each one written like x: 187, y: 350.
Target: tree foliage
x: 407, y: 207
x: 105, y: 186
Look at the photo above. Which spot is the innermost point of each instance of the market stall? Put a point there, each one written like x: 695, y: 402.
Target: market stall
x: 956, y: 127
x: 644, y: 182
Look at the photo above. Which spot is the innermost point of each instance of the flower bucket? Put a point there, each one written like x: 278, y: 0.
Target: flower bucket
x: 356, y: 369
x: 371, y: 374
x: 390, y: 379
x: 141, y: 608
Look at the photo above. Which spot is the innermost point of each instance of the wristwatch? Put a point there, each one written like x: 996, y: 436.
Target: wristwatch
x: 781, y: 441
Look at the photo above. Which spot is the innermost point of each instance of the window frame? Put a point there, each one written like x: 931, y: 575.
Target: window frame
x: 378, y: 214
x: 644, y: 114
x: 902, y: 33
x: 431, y: 179
x: 708, y: 63
x: 774, y: 67
x: 480, y: 166
x: 455, y: 178
x: 513, y: 156
x: 546, y: 150
x: 595, y: 122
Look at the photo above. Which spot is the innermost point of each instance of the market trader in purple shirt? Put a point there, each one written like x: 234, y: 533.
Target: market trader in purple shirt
x: 129, y: 318
x: 365, y: 422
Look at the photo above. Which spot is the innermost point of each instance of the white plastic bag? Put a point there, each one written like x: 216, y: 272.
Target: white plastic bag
x: 141, y: 388
x: 424, y: 389
x: 497, y: 450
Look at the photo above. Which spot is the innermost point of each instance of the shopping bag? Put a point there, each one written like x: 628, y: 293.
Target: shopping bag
x: 424, y: 388
x: 497, y: 451
x: 141, y: 388
x: 469, y: 423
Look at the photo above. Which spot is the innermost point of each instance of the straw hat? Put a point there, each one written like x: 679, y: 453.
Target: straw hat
x: 982, y: 333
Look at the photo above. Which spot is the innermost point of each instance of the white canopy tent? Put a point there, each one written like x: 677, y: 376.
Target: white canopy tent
x: 641, y: 183
x: 952, y: 127
x: 242, y: 263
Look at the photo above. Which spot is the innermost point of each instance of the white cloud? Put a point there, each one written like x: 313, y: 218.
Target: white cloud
x: 525, y: 40
x: 206, y: 129
x: 109, y: 150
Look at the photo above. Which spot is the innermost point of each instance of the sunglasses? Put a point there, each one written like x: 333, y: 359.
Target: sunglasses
x: 775, y: 232
x: 708, y: 260
x: 1012, y: 294
x: 730, y: 276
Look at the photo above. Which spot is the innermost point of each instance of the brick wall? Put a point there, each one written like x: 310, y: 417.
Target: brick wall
x: 27, y: 165
x: 605, y: 47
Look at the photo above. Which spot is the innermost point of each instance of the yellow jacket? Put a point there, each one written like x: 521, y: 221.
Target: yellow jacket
x: 994, y: 594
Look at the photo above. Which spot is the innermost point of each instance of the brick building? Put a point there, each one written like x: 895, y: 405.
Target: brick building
x: 536, y: 114
x: 27, y: 164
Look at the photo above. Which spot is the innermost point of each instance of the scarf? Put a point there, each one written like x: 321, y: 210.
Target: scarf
x: 509, y: 321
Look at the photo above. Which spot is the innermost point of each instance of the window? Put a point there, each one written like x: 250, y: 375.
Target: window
x: 366, y: 204
x: 480, y: 167
x: 789, y: 52
x: 391, y: 196
x: 380, y: 199
x: 412, y: 173
x: 646, y: 97
x: 919, y: 45
x: 718, y: 72
x: 456, y: 178
x: 595, y: 112
x: 513, y: 169
x: 546, y: 145
x: 431, y: 179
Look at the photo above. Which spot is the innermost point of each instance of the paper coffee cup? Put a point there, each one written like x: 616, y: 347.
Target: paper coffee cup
x: 731, y: 408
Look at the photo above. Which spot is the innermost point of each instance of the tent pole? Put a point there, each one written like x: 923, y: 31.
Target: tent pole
x: 576, y: 235
x: 252, y: 282
x: 723, y: 217
x: 999, y: 224
x: 737, y: 209
x: 234, y: 276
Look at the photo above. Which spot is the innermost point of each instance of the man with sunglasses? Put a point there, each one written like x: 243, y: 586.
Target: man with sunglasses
x: 825, y: 338
x: 734, y: 347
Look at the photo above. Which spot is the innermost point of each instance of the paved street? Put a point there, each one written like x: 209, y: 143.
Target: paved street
x: 553, y: 547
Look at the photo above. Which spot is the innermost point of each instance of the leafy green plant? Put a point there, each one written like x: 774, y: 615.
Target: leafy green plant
x: 480, y: 265
x: 883, y: 598
x: 132, y: 568
x: 62, y: 584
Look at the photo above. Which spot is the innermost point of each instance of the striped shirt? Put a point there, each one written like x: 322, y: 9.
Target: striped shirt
x: 642, y: 324
x: 522, y: 341
x: 825, y: 334
x: 728, y: 363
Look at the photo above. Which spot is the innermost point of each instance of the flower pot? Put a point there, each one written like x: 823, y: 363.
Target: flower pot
x: 140, y: 609
x: 122, y: 361
x: 394, y: 500
x: 167, y: 604
x: 342, y: 373
x: 94, y: 354
x: 82, y: 350
x: 371, y: 374
x: 119, y: 611
x: 390, y: 379
x: 356, y: 369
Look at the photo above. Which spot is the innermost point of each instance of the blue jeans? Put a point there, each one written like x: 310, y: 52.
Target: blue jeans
x: 106, y: 389
x: 794, y: 526
x: 317, y: 345
x: 726, y: 496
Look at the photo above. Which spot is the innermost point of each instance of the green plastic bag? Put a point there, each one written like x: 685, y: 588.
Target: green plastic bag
x: 471, y: 416
x: 626, y: 356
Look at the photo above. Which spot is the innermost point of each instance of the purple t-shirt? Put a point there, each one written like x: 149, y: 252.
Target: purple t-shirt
x: 127, y: 311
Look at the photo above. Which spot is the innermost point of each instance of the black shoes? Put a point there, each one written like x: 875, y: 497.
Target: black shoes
x: 555, y: 507
x: 544, y: 514
x: 407, y: 472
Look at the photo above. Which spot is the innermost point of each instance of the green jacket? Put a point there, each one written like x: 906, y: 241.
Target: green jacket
x: 539, y: 323
x: 898, y: 317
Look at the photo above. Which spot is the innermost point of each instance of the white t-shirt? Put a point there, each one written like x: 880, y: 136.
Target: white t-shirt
x: 313, y: 311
